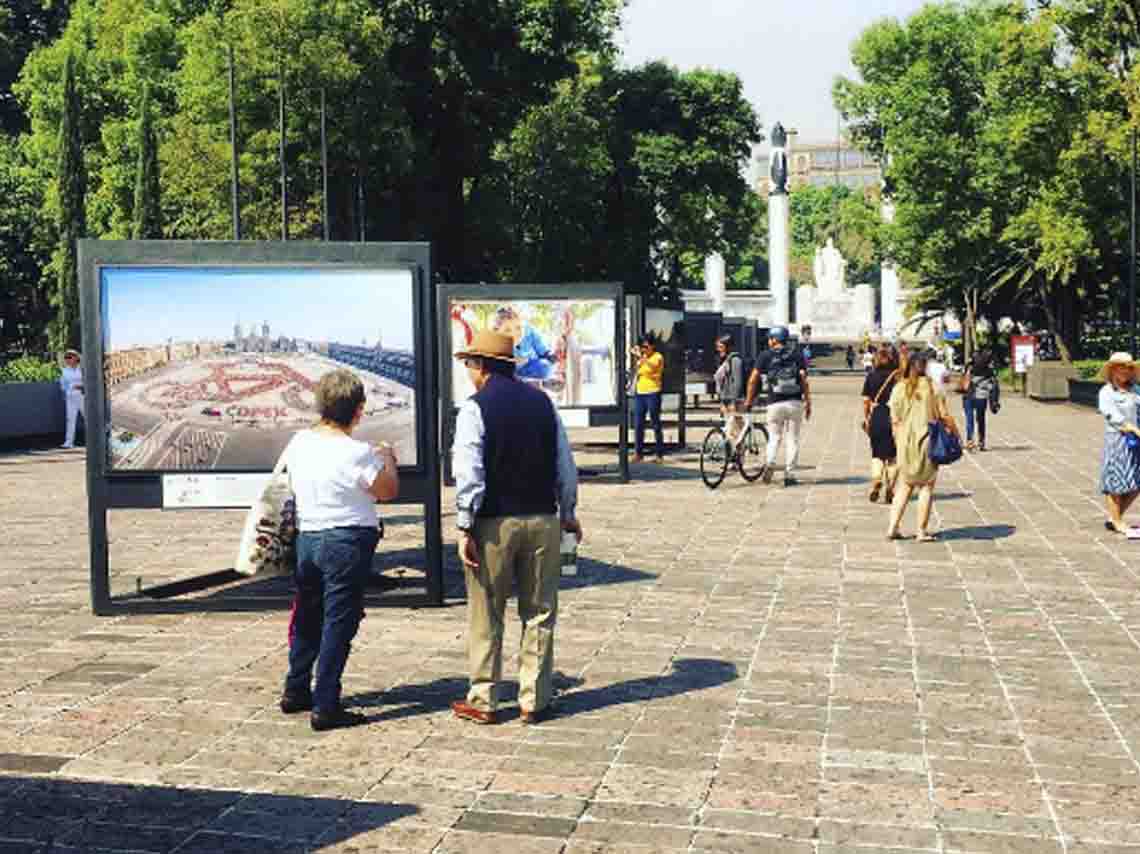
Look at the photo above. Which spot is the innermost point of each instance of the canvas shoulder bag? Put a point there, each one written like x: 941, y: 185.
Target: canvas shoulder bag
x: 269, y: 538
x: 942, y: 445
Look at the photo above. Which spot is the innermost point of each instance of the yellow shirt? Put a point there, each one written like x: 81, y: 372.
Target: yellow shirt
x: 649, y: 372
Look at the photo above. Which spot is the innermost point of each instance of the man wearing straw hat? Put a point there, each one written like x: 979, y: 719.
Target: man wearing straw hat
x: 517, y: 488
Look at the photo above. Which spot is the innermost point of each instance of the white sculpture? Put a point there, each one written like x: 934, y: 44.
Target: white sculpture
x: 830, y: 269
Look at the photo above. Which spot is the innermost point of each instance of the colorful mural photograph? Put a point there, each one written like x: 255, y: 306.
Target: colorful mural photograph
x: 564, y: 347
x: 214, y: 368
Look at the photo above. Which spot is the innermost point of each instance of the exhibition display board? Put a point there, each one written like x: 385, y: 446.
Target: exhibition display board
x: 200, y: 360
x: 570, y: 342
x: 702, y: 328
x: 666, y: 325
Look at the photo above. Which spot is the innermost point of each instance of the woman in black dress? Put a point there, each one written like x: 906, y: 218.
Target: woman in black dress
x: 877, y: 422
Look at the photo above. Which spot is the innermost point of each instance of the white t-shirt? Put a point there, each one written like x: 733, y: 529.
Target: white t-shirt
x: 330, y: 474
x: 939, y: 375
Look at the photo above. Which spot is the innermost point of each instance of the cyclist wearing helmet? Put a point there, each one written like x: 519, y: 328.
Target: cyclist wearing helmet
x: 789, y: 399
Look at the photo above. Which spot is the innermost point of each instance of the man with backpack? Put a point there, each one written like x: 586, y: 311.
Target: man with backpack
x: 789, y: 399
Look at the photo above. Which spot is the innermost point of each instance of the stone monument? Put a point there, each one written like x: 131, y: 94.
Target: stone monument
x: 830, y: 269
x: 831, y: 308
x: 779, y: 242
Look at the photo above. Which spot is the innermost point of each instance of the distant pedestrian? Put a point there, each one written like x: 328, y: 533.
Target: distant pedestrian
x: 1119, y: 403
x: 877, y: 390
x: 649, y: 370
x: 980, y: 392
x: 868, y: 360
x: 789, y: 400
x: 937, y: 371
x: 516, y: 491
x: 914, y: 403
x: 336, y: 482
x: 729, y: 380
x: 71, y: 383
x: 850, y: 356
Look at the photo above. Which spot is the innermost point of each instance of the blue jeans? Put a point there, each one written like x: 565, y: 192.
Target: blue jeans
x: 332, y: 569
x: 651, y: 403
x: 973, y: 407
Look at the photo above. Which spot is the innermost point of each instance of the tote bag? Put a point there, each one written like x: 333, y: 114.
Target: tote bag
x: 942, y: 446
x: 269, y: 539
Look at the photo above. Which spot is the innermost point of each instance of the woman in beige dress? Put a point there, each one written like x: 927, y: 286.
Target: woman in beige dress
x: 914, y: 404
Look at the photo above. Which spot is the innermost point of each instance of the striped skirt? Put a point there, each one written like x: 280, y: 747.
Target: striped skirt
x: 1119, y: 467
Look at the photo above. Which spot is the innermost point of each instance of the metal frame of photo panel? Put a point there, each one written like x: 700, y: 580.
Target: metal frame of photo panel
x: 692, y: 320
x: 108, y: 489
x: 682, y: 407
x: 598, y: 416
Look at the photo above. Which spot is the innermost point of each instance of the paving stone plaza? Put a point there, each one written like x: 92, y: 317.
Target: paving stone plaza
x: 755, y: 669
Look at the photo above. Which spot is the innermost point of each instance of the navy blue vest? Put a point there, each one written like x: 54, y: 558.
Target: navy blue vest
x: 520, y: 447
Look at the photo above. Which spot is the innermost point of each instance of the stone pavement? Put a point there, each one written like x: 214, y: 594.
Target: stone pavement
x: 753, y: 669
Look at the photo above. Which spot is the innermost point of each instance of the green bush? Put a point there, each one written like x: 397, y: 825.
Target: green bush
x: 29, y: 369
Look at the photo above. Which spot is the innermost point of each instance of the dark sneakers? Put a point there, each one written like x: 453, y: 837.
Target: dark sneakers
x: 336, y: 719
x: 293, y: 703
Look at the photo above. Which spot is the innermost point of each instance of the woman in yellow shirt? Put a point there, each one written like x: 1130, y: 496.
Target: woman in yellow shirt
x: 647, y: 396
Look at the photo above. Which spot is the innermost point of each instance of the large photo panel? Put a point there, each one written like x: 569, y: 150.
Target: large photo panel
x: 214, y: 367
x: 667, y: 328
x: 563, y: 346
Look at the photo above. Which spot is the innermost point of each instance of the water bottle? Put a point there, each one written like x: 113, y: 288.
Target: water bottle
x: 569, y: 553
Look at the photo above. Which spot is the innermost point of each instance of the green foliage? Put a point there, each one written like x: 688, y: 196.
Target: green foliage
x: 500, y: 130
x: 72, y: 222
x: 147, y: 207
x: 25, y: 247
x: 29, y: 369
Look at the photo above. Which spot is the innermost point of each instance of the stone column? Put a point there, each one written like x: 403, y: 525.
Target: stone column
x: 779, y: 252
x: 715, y: 283
x: 889, y: 284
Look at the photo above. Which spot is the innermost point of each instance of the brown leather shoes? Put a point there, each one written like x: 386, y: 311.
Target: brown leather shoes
x: 461, y: 709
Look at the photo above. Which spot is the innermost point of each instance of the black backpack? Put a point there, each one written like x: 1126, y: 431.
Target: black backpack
x: 784, y: 373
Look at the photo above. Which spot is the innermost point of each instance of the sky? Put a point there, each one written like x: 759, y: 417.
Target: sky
x: 787, y: 53
x: 146, y: 306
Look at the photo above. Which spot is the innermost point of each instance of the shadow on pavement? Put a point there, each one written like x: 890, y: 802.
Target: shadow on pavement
x: 45, y: 814
x: 688, y: 675
x: 977, y: 532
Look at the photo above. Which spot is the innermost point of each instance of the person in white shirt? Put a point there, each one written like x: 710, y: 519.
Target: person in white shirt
x: 71, y: 383
x: 937, y: 372
x: 336, y: 483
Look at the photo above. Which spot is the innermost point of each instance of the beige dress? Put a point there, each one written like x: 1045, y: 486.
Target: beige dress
x: 913, y: 417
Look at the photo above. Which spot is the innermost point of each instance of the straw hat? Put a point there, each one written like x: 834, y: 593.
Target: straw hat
x: 489, y: 345
x: 1117, y: 360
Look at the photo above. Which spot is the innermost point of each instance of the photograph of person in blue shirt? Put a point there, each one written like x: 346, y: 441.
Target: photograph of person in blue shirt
x: 533, y: 356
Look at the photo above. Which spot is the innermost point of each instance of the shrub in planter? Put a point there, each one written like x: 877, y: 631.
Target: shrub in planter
x: 29, y: 369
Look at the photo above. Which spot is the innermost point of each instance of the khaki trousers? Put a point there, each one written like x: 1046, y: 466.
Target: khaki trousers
x: 521, y: 550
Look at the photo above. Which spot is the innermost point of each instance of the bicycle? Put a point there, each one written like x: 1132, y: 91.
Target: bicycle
x: 748, y: 453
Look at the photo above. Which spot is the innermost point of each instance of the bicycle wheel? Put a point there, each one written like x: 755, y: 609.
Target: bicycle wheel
x: 750, y: 456
x: 714, y: 458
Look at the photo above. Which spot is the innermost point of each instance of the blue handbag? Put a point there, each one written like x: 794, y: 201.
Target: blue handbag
x: 942, y: 446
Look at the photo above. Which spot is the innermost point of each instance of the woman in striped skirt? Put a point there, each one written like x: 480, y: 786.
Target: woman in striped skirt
x: 1119, y: 403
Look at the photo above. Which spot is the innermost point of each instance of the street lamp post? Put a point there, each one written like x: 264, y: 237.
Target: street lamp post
x: 1132, y: 252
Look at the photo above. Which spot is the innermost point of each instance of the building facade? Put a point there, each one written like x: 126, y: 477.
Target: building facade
x: 822, y: 164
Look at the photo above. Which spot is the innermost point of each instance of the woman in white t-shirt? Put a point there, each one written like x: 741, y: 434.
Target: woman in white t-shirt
x: 336, y: 481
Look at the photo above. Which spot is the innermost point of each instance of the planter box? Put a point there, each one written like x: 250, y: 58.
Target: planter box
x: 31, y: 409
x: 1084, y: 392
x: 1050, y: 380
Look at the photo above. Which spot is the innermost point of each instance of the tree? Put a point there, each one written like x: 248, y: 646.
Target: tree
x: 72, y: 177
x: 147, y: 208
x: 921, y: 108
x: 467, y: 72
x: 24, y: 251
